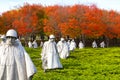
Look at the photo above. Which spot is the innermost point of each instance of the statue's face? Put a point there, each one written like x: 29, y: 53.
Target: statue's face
x: 52, y: 39
x: 10, y: 40
x: 63, y: 40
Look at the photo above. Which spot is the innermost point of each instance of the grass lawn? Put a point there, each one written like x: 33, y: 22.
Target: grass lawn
x: 85, y: 64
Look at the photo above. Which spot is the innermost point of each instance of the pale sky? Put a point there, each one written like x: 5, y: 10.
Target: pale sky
x: 103, y: 4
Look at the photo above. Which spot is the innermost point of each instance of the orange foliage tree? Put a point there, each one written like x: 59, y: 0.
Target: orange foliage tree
x: 30, y: 21
x: 75, y: 21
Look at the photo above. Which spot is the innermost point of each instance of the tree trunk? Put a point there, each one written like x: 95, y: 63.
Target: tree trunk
x: 107, y: 41
x: 83, y: 39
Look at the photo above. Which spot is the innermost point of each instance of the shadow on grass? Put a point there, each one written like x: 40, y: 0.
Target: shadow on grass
x: 71, y: 57
x: 58, y: 70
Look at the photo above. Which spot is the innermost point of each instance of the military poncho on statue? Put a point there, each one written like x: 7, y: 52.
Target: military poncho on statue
x: 15, y: 63
x: 102, y: 44
x: 49, y: 55
x: 30, y: 44
x: 63, y: 48
x: 81, y: 45
x: 94, y: 44
x: 3, y: 40
x: 35, y: 45
x: 72, y: 45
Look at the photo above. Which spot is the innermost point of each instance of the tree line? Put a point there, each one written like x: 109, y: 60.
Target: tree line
x: 77, y: 21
